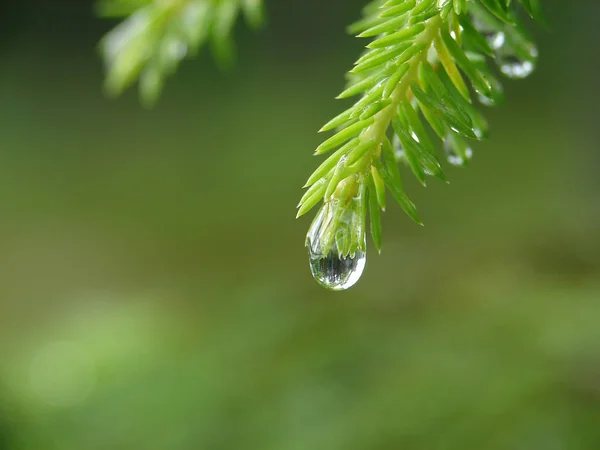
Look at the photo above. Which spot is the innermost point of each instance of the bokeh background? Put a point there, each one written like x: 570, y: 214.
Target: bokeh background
x: 154, y: 287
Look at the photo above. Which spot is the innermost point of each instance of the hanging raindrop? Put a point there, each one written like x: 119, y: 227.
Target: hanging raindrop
x: 515, y: 65
x: 398, y: 149
x: 486, y: 101
x: 490, y: 31
x: 332, y: 267
x: 458, y: 153
x: 516, y: 55
x: 496, y: 39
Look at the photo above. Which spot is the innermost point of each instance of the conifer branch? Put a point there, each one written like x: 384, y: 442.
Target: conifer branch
x: 157, y: 34
x: 417, y: 77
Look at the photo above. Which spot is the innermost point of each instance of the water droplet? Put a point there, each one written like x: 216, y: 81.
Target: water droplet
x: 334, y: 269
x: 517, y: 61
x: 486, y: 101
x: 457, y: 151
x: 491, y: 32
x: 515, y: 53
x: 335, y: 272
x: 496, y: 39
x: 514, y: 67
x: 398, y: 149
x: 456, y: 160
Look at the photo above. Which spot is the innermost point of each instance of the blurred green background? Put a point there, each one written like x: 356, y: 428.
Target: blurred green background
x: 154, y: 287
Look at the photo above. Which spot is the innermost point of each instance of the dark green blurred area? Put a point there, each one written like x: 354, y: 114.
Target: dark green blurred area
x: 154, y: 287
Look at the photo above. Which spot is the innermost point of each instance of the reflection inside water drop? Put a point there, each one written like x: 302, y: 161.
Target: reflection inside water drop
x: 336, y: 273
x: 496, y: 39
x: 513, y: 67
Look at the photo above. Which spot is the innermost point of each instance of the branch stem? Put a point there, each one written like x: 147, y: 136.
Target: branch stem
x: 383, y: 119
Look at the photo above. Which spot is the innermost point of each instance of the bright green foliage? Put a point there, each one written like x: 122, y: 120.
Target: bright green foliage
x: 418, y: 77
x: 158, y: 34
